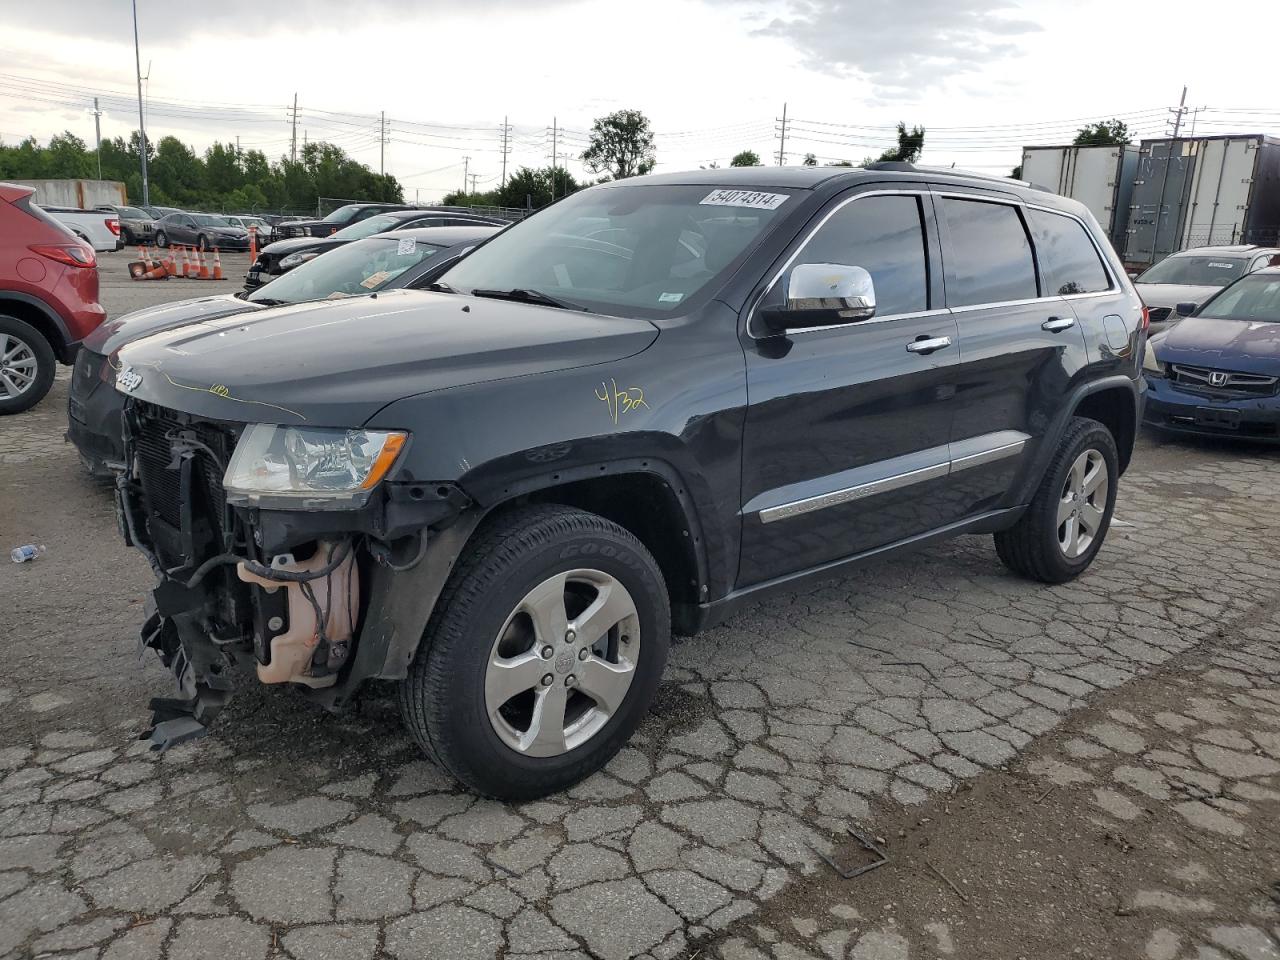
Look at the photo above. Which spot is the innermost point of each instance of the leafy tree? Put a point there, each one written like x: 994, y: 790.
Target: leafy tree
x: 222, y: 179
x: 910, y: 146
x: 1103, y: 133
x: 810, y: 160
x: 527, y: 187
x: 1016, y: 172
x: 747, y: 158
x: 622, y: 144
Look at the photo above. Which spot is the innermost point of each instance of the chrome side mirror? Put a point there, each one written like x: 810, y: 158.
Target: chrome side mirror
x: 823, y: 294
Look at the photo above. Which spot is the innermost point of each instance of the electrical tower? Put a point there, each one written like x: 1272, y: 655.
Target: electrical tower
x: 782, y: 136
x: 506, y: 148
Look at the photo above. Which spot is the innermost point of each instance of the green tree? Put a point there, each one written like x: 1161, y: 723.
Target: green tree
x: 910, y: 146
x: 1016, y: 172
x: 622, y: 144
x: 1103, y: 133
x: 747, y: 158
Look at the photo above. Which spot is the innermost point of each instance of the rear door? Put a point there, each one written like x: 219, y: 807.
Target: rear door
x: 845, y: 446
x: 1020, y: 345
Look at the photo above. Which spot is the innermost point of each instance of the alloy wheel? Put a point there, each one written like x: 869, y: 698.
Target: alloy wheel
x: 562, y: 663
x: 1083, y: 504
x: 18, y: 366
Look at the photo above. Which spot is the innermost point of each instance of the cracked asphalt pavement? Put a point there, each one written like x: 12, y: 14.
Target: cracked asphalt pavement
x: 1091, y: 769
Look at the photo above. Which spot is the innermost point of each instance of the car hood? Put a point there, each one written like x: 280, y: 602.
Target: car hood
x: 282, y: 248
x: 1222, y: 344
x: 114, y: 334
x: 1172, y: 294
x: 337, y: 363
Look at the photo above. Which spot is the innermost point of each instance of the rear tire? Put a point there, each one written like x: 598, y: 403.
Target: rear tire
x: 457, y: 702
x: 1070, y: 514
x: 27, y: 365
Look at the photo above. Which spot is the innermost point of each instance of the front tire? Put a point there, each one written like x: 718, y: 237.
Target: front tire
x: 26, y: 366
x: 542, y: 592
x: 1070, y: 514
x: 162, y: 239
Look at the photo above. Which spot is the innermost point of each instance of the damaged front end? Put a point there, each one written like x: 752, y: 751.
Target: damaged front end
x: 292, y: 553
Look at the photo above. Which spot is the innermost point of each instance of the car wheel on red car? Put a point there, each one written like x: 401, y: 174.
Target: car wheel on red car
x: 26, y: 365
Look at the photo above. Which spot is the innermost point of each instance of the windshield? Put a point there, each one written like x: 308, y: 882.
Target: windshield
x: 133, y: 213
x: 366, y: 228
x: 342, y: 214
x: 1195, y: 271
x: 364, y: 267
x: 209, y: 220
x: 631, y: 250
x: 1254, y: 299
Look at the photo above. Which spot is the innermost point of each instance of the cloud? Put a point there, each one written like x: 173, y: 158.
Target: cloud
x: 901, y: 48
x: 176, y: 20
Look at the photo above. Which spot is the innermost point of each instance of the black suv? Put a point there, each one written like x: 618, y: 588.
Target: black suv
x: 344, y: 216
x: 650, y: 403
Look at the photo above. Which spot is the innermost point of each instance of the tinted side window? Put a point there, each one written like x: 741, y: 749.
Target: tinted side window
x: 885, y: 236
x: 1067, y: 256
x: 990, y: 257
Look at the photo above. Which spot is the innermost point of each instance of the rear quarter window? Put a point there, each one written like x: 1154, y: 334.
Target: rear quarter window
x: 989, y: 260
x: 1068, y: 259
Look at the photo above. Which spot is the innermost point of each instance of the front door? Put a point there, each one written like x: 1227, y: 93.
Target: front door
x: 845, y: 446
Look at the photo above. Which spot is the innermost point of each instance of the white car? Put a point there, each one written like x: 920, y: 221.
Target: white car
x: 1193, y: 276
x: 98, y: 228
x: 261, y: 227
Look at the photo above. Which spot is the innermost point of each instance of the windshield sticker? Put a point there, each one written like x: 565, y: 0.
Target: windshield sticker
x: 373, y: 280
x: 744, y: 198
x: 620, y: 401
x: 671, y: 298
x: 1221, y: 266
x: 406, y: 247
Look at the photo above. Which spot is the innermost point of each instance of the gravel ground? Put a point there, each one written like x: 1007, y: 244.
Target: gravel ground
x: 1086, y: 770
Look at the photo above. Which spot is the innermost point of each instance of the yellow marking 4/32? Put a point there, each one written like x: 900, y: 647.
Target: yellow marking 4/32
x: 620, y: 401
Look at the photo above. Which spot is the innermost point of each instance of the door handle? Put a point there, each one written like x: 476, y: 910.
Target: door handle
x: 928, y: 344
x: 1058, y: 324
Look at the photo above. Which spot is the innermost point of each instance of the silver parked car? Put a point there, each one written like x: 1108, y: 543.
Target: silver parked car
x: 1193, y: 276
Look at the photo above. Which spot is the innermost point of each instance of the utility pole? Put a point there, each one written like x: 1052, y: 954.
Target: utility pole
x: 293, y: 137
x: 142, y: 124
x: 555, y: 160
x: 466, y: 166
x: 474, y: 178
x: 782, y: 145
x: 382, y: 144
x: 97, y: 134
x: 506, y: 148
x: 1178, y: 112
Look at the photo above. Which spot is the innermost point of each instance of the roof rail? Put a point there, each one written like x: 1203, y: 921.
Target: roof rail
x: 901, y: 166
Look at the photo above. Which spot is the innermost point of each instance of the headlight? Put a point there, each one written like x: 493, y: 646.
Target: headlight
x: 1149, y: 362
x: 329, y: 469
x: 293, y: 259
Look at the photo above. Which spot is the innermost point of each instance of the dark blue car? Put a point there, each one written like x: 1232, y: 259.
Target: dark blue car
x: 1216, y: 372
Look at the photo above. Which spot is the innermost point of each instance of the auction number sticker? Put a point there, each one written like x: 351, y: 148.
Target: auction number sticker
x: 406, y: 246
x: 744, y: 198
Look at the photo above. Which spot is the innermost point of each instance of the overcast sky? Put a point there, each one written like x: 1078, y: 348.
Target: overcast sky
x: 982, y: 76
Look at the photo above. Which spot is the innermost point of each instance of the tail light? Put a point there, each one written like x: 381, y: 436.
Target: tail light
x: 113, y: 225
x: 1146, y: 317
x: 72, y: 254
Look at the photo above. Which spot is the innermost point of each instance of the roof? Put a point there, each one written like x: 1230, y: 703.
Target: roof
x: 809, y: 178
x: 418, y: 213
x: 445, y: 236
x: 1239, y: 249
x: 14, y: 191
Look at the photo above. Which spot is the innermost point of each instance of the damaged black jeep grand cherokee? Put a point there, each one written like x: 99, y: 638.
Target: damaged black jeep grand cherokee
x: 636, y: 411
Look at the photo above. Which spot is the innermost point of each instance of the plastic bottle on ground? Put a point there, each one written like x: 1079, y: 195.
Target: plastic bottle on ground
x: 30, y: 551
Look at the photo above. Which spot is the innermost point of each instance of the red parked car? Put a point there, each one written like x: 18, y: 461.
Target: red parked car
x: 48, y: 298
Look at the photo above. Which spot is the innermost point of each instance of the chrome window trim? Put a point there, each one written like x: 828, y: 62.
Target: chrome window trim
x: 918, y: 192
x: 870, y: 488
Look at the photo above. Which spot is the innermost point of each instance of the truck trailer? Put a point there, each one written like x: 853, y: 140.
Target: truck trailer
x: 1100, y: 177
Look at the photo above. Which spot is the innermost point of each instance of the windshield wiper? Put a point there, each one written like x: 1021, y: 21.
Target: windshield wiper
x: 525, y: 295
x: 439, y: 286
x: 268, y: 302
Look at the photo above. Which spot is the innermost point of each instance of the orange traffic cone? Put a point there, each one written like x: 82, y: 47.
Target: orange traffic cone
x: 186, y: 263
x: 142, y: 253
x: 204, y: 267
x: 217, y: 264
x: 170, y: 264
x: 253, y: 244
